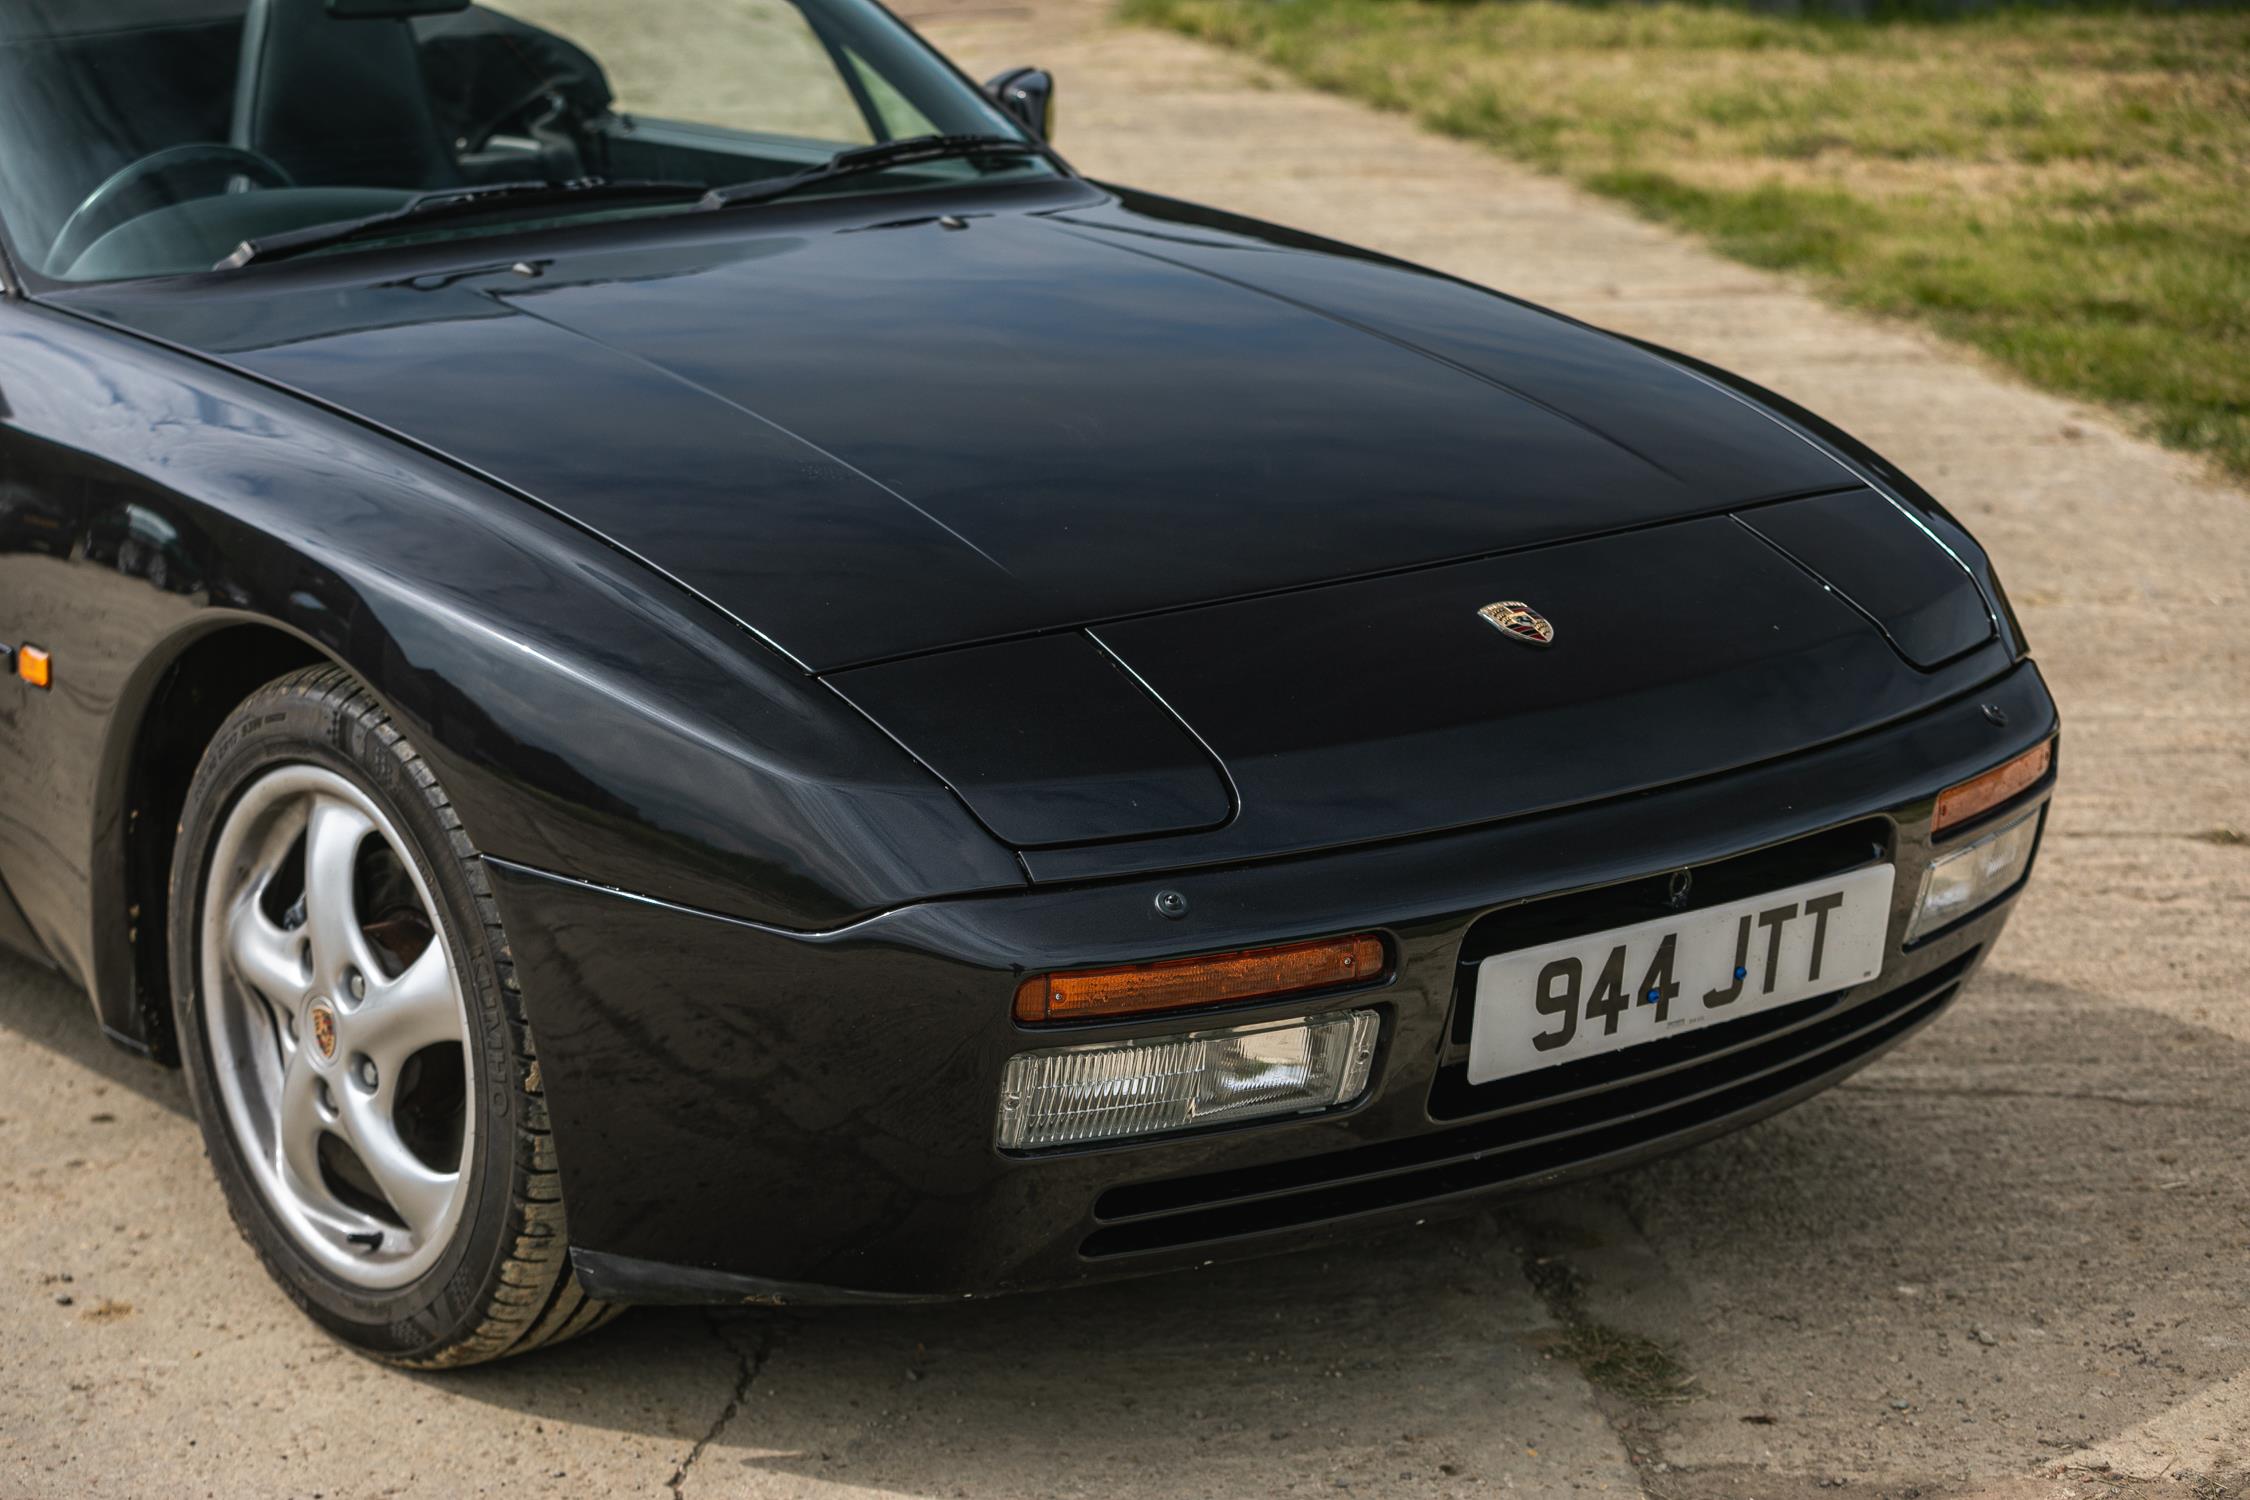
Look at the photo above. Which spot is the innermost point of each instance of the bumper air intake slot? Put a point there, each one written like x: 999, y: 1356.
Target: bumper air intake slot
x: 1702, y: 1082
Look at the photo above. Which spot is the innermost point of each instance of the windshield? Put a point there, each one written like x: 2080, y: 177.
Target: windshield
x: 151, y: 137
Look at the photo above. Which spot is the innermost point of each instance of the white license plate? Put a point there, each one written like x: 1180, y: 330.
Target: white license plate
x: 1583, y: 996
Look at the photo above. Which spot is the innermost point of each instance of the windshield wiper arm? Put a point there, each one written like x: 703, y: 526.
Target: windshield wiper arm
x: 447, y: 203
x: 875, y: 158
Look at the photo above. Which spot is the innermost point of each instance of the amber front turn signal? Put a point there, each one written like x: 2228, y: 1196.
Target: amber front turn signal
x: 1980, y: 794
x: 1178, y: 983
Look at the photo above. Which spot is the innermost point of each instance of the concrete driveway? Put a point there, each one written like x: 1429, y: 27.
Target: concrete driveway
x: 2013, y: 1260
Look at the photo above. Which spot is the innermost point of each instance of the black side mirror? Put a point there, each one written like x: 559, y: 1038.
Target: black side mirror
x: 1028, y: 95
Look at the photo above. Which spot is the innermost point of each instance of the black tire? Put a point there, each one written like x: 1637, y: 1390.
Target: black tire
x: 503, y: 1285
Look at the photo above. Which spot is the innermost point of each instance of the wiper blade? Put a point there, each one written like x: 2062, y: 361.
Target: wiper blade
x: 875, y: 158
x: 459, y: 202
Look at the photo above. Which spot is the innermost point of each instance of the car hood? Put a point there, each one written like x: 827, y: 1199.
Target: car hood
x: 868, y: 439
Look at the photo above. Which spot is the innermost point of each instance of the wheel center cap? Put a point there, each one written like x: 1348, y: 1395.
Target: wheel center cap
x: 323, y: 1018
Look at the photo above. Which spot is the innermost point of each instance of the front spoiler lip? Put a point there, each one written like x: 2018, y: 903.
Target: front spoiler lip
x: 651, y: 1283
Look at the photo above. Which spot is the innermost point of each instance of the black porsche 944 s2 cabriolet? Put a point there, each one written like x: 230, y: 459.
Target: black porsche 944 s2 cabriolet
x: 656, y: 609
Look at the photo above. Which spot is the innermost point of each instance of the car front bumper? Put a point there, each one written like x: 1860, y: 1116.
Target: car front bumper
x: 744, y: 1114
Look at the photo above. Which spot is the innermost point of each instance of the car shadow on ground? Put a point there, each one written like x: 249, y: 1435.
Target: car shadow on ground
x: 1412, y: 1358
x: 40, y: 1006
x: 2015, y: 1237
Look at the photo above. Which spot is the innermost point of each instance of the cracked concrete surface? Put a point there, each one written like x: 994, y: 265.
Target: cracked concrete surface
x: 1416, y: 1366
x: 2006, y: 1263
x: 747, y: 1363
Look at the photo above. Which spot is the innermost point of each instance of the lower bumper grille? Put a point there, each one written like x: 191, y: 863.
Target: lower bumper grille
x: 1579, y: 1121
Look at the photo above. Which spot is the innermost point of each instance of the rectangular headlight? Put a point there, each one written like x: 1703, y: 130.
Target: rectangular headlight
x: 1970, y: 878
x: 1114, y: 1091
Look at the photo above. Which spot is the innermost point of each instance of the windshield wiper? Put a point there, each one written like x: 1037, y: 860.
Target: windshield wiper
x: 875, y: 158
x: 446, y: 203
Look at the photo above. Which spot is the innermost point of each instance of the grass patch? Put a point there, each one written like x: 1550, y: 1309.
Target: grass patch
x: 2065, y: 189
x: 1626, y: 1365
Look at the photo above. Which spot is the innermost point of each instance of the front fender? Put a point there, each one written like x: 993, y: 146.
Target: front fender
x: 588, y: 716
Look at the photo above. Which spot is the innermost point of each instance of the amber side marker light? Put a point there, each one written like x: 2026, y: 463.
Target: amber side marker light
x: 1980, y: 794
x: 35, y: 666
x: 1178, y: 983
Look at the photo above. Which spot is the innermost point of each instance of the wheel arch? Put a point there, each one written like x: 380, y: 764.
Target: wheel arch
x: 170, y: 710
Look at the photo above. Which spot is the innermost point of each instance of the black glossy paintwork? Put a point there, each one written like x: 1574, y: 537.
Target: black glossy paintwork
x: 584, y: 715
x: 623, y: 521
x: 1910, y: 587
x: 1048, y: 740
x: 1713, y: 446
x: 854, y: 1076
x: 1046, y: 418
x: 1879, y: 473
x: 1680, y: 651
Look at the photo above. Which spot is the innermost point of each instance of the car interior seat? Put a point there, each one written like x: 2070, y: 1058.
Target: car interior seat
x: 333, y: 90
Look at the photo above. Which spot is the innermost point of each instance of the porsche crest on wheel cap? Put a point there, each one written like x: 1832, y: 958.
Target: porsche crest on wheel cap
x: 1519, y: 621
x: 323, y: 1030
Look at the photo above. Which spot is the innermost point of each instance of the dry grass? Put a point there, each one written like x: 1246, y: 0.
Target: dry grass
x: 2069, y: 191
x: 1625, y: 1365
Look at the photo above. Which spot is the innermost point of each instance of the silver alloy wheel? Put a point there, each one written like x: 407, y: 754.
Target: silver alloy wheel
x: 338, y: 1034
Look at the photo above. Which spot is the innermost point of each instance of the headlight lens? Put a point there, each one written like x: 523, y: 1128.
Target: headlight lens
x: 1115, y: 1091
x: 1968, y: 879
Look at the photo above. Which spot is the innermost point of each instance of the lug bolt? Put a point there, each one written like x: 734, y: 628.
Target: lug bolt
x: 367, y: 1074
x: 356, y: 983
